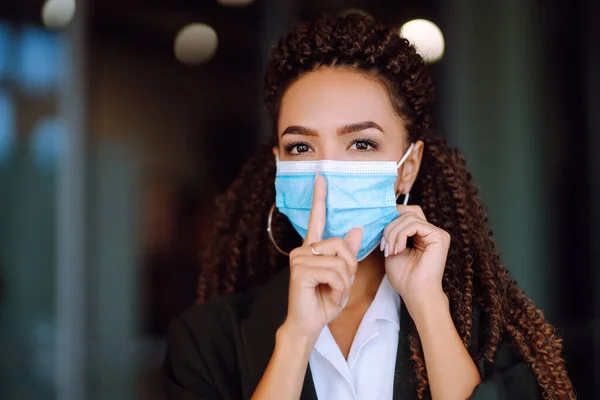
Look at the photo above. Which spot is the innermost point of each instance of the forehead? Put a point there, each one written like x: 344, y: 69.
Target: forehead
x: 335, y: 96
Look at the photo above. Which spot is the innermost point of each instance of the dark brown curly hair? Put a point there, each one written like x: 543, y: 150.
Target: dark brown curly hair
x: 241, y: 255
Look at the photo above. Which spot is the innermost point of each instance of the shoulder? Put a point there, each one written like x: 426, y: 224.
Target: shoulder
x: 207, y: 345
x: 206, y: 335
x: 215, y: 315
x: 219, y: 318
x: 507, y: 374
x: 198, y: 342
x: 506, y: 356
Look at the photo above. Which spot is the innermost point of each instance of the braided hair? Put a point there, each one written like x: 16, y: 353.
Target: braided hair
x: 241, y: 255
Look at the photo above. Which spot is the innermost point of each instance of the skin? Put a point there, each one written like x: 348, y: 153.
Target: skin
x: 340, y: 114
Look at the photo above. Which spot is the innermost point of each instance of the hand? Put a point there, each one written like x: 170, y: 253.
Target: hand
x: 320, y: 284
x: 416, y: 273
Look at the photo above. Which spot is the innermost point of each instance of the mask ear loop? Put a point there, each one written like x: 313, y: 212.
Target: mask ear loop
x: 404, y: 158
x: 406, y: 197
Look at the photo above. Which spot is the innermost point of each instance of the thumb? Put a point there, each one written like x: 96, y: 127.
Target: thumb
x: 353, y: 239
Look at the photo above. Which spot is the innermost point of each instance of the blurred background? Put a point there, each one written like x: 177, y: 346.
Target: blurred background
x: 121, y: 120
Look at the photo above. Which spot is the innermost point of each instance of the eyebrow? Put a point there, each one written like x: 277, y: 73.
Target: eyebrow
x: 299, y: 130
x: 359, y: 126
x: 356, y: 127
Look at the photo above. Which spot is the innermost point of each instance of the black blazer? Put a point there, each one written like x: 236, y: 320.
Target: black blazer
x: 220, y: 349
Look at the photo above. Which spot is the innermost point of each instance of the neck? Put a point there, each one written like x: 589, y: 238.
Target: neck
x: 368, y: 278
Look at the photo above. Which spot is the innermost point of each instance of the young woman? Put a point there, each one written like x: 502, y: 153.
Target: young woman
x: 375, y: 300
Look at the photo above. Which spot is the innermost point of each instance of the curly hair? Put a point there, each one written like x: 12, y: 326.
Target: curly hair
x: 241, y: 255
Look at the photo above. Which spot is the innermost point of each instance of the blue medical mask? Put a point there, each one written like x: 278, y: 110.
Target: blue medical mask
x: 359, y: 193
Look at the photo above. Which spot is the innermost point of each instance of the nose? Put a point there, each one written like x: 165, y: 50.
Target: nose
x: 329, y: 150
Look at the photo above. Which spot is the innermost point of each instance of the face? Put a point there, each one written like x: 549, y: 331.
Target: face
x: 337, y: 114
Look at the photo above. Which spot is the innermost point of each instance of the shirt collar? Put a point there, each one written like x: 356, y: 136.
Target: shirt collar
x: 385, y: 307
x: 386, y: 304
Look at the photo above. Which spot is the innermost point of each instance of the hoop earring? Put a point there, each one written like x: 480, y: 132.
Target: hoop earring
x: 270, y: 231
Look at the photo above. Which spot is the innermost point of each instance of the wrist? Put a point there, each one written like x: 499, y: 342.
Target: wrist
x: 289, y: 338
x: 429, y: 310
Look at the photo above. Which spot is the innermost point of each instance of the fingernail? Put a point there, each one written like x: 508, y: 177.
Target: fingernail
x: 352, y: 279
x: 387, y: 250
x: 382, y: 245
x: 396, y: 249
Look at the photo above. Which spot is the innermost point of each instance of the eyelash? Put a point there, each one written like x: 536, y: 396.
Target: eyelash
x: 368, y: 141
x: 290, y: 147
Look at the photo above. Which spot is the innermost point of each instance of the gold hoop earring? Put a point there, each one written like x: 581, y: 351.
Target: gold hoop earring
x: 270, y: 231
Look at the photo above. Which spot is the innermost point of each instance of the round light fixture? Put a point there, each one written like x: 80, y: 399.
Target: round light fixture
x: 57, y: 13
x: 426, y: 37
x: 196, y: 44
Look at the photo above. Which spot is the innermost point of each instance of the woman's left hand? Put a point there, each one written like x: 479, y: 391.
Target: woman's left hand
x: 416, y: 273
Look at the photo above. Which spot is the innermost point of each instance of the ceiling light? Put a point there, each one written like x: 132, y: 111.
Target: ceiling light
x: 196, y: 44
x: 57, y: 13
x: 426, y: 37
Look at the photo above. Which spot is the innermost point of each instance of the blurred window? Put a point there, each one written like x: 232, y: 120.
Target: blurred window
x: 39, y: 59
x: 7, y: 124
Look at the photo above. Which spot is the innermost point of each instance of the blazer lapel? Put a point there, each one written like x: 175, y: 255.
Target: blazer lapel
x: 308, y: 389
x: 404, y: 379
x: 267, y: 313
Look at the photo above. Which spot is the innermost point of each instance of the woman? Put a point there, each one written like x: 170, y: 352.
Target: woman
x: 376, y: 300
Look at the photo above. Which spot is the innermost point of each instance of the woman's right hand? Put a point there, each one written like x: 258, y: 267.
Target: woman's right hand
x: 320, y: 284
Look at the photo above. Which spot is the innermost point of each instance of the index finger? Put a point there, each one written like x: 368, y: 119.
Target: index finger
x: 316, y: 221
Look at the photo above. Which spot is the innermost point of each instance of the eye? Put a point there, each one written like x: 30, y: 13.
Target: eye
x: 363, y: 145
x: 297, y: 148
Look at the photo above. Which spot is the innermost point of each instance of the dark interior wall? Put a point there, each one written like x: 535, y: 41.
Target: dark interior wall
x: 192, y: 126
x: 521, y: 94
x: 573, y: 62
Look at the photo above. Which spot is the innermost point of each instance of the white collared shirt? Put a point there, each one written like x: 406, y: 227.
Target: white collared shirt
x: 369, y: 371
